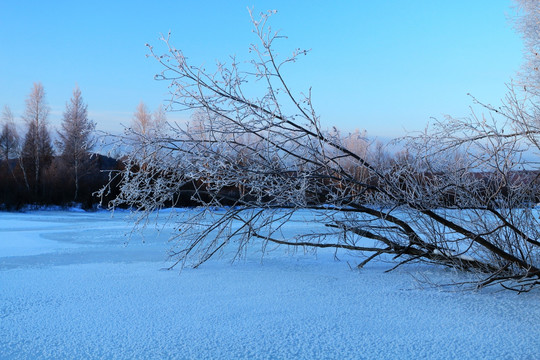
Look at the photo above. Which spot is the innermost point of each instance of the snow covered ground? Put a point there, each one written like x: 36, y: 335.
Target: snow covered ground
x: 71, y: 289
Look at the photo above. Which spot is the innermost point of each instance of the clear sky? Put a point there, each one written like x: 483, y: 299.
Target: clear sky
x: 383, y: 66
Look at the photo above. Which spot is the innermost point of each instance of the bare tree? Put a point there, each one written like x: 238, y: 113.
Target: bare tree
x: 144, y: 127
x: 444, y: 202
x: 527, y: 22
x: 37, y: 151
x: 159, y: 119
x: 76, y: 138
x: 9, y: 138
x: 142, y: 120
x: 145, y: 123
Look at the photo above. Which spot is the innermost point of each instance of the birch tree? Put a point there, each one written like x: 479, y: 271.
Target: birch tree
x: 76, y: 139
x: 142, y: 120
x: 146, y: 123
x: 37, y: 151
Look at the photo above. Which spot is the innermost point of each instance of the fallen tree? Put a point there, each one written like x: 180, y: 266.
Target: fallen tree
x: 251, y: 132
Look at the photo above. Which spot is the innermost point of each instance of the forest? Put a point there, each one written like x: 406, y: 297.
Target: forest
x: 37, y: 171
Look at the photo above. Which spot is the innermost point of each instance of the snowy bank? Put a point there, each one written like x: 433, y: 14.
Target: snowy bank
x: 71, y: 288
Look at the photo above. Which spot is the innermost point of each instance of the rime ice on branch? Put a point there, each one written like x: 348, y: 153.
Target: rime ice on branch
x: 460, y: 195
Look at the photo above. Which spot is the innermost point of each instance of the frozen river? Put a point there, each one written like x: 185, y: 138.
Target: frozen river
x: 71, y: 288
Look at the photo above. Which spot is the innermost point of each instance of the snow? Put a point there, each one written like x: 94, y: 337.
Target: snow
x: 70, y: 287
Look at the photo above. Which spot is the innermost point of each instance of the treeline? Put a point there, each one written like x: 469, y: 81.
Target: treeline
x: 57, y: 184
x: 35, y: 170
x: 33, y: 173
x: 435, y: 187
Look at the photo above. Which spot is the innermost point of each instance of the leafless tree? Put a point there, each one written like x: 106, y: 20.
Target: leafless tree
x: 37, y: 148
x: 76, y: 139
x: 145, y: 123
x: 142, y: 120
x: 527, y: 22
x: 9, y: 138
x: 159, y: 119
x: 455, y: 197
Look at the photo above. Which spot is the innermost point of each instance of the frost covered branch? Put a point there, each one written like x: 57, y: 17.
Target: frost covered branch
x: 461, y: 194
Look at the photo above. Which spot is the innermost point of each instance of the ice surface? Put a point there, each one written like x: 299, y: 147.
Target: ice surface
x: 71, y: 289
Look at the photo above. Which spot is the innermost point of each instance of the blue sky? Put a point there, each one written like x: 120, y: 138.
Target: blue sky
x: 384, y: 66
